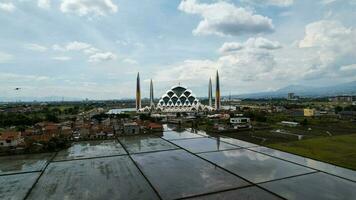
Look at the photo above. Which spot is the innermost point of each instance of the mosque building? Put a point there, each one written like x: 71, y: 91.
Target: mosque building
x: 179, y: 99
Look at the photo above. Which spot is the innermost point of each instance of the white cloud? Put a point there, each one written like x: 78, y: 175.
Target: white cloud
x: 88, y: 7
x: 351, y: 67
x: 94, y: 54
x: 91, y: 50
x: 36, y: 47
x: 11, y: 77
x: 45, y: 4
x: 99, y: 57
x: 222, y: 18
x: 230, y: 46
x: 74, y: 46
x: 243, y: 66
x: 62, y: 58
x: 57, y: 47
x: 279, y: 3
x: 256, y: 43
x: 328, y: 1
x: 187, y: 72
x: 7, y: 7
x: 326, y: 52
x: 5, y: 57
x: 130, y: 61
x: 77, y: 46
x: 333, y: 46
x: 325, y: 33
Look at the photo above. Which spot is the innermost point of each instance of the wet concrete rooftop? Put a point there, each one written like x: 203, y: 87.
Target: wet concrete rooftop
x: 172, y: 165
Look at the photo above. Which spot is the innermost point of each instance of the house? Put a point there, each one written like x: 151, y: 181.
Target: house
x: 309, y: 112
x: 10, y: 139
x: 155, y: 127
x: 343, y: 98
x: 347, y: 115
x: 131, y: 128
x: 296, y: 112
x: 240, y: 122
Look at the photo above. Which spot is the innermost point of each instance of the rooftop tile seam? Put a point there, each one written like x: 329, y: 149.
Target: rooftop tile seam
x: 155, y: 151
x: 194, y: 138
x: 288, y: 177
x: 306, y: 157
x: 238, y: 145
x: 88, y: 158
x: 138, y: 168
x: 249, y: 148
x: 215, y: 192
x: 189, y: 138
x: 229, y: 142
x: 204, y: 137
x: 41, y: 173
x: 281, y: 159
x: 17, y: 173
x: 301, y: 164
x: 230, y: 172
x: 213, y: 151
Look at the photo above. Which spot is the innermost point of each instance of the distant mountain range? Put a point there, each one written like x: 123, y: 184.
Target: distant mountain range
x: 39, y: 99
x: 306, y: 91
x: 299, y: 90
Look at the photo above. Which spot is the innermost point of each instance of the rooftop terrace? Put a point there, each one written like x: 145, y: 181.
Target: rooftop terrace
x: 172, y: 165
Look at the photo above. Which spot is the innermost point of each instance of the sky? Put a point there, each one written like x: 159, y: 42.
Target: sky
x: 94, y: 48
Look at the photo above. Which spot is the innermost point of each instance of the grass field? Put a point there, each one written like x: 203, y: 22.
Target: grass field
x: 338, y: 150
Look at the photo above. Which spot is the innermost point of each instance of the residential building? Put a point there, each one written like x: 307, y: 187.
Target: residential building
x: 10, y: 139
x: 131, y: 128
x: 309, y: 112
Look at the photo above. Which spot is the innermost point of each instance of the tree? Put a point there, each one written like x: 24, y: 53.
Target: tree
x: 338, y: 109
x: 51, y: 117
x: 304, y: 122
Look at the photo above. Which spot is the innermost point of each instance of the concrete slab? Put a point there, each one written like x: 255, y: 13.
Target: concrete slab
x: 16, y: 186
x: 175, y: 135
x: 23, y: 163
x: 177, y: 174
x: 250, y: 193
x: 91, y: 149
x: 140, y: 144
x: 254, y: 166
x: 313, y: 186
x: 98, y: 178
x: 329, y: 168
x: 199, y: 145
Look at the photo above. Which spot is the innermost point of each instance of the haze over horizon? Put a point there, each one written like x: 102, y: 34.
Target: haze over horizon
x: 94, y: 48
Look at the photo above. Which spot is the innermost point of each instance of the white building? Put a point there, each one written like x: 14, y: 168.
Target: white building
x: 240, y: 122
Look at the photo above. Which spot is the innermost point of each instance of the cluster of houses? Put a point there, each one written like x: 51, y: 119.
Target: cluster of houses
x: 85, y: 127
x: 41, y: 132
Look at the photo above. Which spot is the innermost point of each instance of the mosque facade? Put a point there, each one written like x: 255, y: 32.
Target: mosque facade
x: 179, y: 99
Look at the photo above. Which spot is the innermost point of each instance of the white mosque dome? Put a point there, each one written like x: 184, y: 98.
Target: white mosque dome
x: 179, y: 99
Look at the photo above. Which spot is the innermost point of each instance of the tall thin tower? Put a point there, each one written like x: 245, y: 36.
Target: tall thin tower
x: 151, y: 95
x: 217, y: 92
x: 138, y: 92
x: 210, y: 93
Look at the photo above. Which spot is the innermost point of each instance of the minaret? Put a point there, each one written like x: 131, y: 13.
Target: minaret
x: 210, y: 93
x: 138, y: 93
x: 151, y: 95
x: 217, y: 92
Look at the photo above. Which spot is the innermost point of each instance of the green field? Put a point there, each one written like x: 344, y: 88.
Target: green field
x: 338, y: 150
